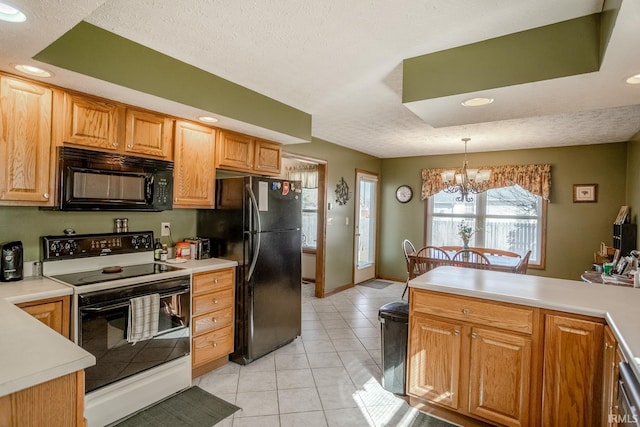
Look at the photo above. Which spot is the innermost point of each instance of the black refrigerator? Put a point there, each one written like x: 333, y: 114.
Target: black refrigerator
x: 257, y: 222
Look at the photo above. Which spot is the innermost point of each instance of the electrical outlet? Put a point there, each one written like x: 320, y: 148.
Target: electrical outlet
x: 165, y: 229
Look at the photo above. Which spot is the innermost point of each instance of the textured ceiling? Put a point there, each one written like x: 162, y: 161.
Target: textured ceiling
x: 341, y: 62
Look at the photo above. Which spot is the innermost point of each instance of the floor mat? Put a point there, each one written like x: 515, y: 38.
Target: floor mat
x: 376, y: 284
x: 192, y: 407
x: 424, y: 420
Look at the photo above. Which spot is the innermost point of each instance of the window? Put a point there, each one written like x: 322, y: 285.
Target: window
x: 508, y: 218
x: 309, y: 218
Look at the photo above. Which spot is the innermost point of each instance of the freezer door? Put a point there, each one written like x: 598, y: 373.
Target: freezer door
x: 275, y: 293
x: 279, y: 203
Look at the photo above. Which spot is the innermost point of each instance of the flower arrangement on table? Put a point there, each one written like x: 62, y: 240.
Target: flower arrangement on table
x: 465, y: 232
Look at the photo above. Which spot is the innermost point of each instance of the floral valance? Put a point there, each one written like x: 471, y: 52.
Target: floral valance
x: 307, y: 173
x: 533, y: 178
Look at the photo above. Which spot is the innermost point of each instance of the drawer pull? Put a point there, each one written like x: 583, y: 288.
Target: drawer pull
x: 466, y: 311
x: 215, y: 344
x: 215, y: 280
x: 215, y: 320
x: 474, y: 335
x: 456, y: 332
x: 215, y: 301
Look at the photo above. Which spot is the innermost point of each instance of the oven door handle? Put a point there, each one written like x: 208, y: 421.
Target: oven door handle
x: 126, y: 303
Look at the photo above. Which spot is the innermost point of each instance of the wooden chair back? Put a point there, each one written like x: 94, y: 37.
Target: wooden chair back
x: 471, y: 256
x: 430, y: 257
x: 408, y: 249
x: 522, y: 266
x: 497, y: 252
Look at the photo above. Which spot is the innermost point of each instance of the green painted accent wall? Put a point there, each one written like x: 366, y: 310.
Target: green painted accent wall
x: 633, y: 179
x: 574, y: 230
x: 98, y: 53
x: 29, y: 223
x: 342, y: 162
x: 558, y: 50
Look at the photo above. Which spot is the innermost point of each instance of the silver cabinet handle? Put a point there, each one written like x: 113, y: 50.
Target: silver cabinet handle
x: 215, y: 301
x: 215, y: 280
x: 45, y: 195
x: 456, y: 332
x: 114, y: 144
x: 129, y: 145
x: 474, y: 335
x: 466, y: 311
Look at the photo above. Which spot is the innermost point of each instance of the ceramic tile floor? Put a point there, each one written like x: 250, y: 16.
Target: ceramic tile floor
x: 330, y: 376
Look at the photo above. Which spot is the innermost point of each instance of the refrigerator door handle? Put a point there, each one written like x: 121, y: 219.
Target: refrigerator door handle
x: 254, y: 202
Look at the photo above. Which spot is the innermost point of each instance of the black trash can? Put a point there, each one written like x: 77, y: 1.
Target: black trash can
x: 394, y: 324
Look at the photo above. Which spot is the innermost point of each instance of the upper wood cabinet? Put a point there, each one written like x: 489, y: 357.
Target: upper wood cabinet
x: 106, y: 125
x: 148, y: 133
x: 25, y: 143
x: 245, y: 153
x: 194, y: 168
x: 91, y: 122
x: 572, y: 371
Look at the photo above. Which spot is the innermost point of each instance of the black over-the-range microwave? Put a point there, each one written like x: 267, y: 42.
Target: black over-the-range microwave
x: 93, y: 180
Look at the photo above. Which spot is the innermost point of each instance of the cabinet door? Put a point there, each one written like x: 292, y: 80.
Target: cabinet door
x: 90, y: 122
x: 235, y: 151
x: 194, y: 173
x: 148, y: 134
x: 434, y: 360
x: 54, y: 313
x: 267, y: 157
x: 499, y: 371
x: 609, y: 377
x: 25, y: 142
x: 572, y: 369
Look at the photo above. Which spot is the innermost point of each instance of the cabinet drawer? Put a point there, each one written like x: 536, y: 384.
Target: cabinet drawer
x: 212, y: 346
x: 213, y: 281
x: 215, y: 320
x: 508, y: 317
x: 212, y: 301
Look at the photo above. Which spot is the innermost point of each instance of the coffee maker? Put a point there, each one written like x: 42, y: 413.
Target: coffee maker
x: 11, y: 261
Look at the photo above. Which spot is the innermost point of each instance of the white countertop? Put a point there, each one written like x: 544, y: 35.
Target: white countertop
x: 619, y: 305
x: 32, y: 353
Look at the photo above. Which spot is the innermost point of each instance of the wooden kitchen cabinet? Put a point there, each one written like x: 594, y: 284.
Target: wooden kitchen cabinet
x: 55, y: 403
x: 148, y: 133
x: 212, y: 325
x: 91, y: 122
x: 25, y: 143
x: 472, y: 356
x: 245, y: 153
x: 53, y: 312
x: 611, y: 357
x: 572, y: 371
x: 194, y: 168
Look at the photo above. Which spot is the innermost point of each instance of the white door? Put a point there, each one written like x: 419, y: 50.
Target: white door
x: 366, y: 218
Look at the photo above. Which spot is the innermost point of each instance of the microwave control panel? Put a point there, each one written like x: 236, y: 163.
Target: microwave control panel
x: 88, y: 245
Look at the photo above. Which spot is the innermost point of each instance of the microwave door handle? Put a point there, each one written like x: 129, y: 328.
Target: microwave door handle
x: 256, y: 252
x: 126, y: 303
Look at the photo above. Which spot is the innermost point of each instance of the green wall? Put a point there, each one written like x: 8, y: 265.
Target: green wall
x: 28, y: 224
x: 633, y: 179
x: 574, y: 230
x: 342, y: 162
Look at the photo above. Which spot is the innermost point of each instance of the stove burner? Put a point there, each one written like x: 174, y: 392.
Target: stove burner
x: 113, y: 269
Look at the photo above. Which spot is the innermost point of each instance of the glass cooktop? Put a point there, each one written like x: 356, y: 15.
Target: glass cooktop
x: 115, y: 272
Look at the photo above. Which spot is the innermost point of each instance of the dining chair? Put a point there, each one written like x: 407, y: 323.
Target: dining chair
x: 430, y: 257
x: 472, y: 258
x: 498, y: 252
x: 522, y: 266
x: 408, y: 249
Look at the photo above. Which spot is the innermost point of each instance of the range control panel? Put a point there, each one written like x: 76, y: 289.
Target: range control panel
x: 88, y: 245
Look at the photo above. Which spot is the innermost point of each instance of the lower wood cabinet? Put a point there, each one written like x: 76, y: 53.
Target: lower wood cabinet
x: 55, y: 403
x: 611, y: 357
x: 212, y: 324
x: 475, y: 370
x: 53, y: 312
x: 572, y: 371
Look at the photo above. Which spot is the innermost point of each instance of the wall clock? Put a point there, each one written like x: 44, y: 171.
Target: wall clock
x: 404, y: 193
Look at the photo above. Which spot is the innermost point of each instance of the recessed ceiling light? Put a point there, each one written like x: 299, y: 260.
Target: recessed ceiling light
x: 11, y: 14
x: 33, y: 71
x: 207, y: 119
x: 634, y: 80
x: 477, y: 102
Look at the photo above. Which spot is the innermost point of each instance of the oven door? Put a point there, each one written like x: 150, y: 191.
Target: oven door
x: 628, y: 400
x: 103, y: 318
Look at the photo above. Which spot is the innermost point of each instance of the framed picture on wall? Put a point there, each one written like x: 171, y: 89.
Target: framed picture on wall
x: 585, y: 193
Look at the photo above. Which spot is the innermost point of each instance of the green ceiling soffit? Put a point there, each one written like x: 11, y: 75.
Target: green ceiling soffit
x: 564, y: 49
x: 98, y: 53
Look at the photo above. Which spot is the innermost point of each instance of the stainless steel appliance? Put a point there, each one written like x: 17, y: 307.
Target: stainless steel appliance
x: 257, y: 223
x: 11, y: 261
x: 108, y: 274
x: 93, y: 180
x: 628, y: 399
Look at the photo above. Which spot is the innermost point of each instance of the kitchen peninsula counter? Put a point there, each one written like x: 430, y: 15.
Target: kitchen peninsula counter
x: 617, y: 304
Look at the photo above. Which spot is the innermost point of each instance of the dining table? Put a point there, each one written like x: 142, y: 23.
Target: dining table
x: 497, y: 263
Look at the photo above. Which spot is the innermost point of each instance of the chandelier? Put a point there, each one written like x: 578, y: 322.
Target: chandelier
x: 466, y: 181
